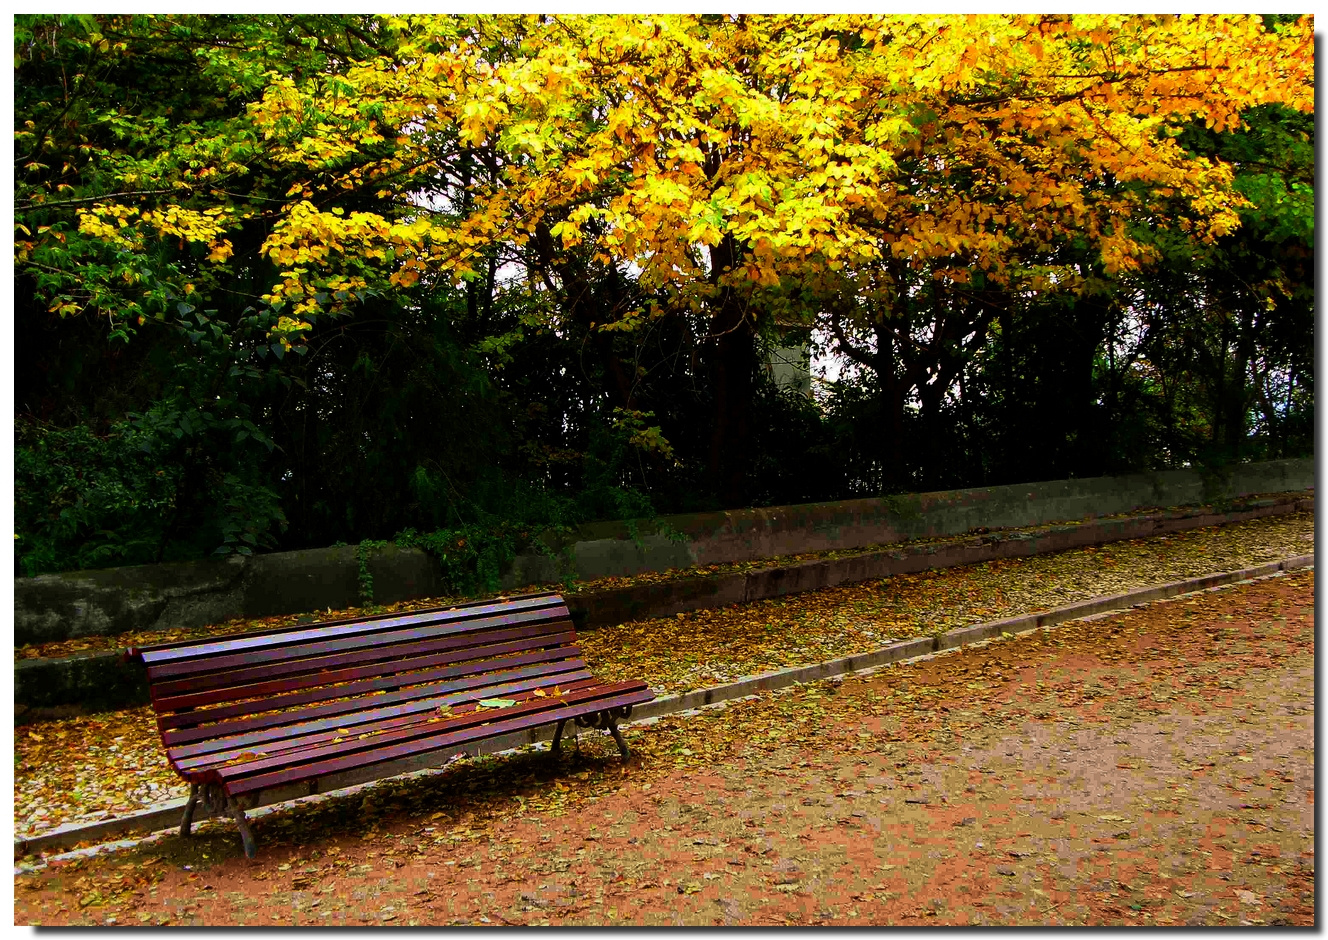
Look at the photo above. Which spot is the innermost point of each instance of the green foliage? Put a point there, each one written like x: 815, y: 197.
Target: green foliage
x: 134, y: 495
x: 507, y: 517
x: 365, y: 576
x: 84, y: 501
x: 168, y: 407
x: 472, y: 557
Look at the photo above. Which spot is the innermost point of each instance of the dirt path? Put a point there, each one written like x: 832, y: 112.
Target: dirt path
x: 1154, y: 767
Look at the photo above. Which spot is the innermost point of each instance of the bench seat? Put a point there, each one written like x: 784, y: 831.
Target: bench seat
x: 255, y: 711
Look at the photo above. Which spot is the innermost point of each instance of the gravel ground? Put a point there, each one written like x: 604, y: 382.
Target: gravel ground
x: 108, y: 764
x: 1151, y: 768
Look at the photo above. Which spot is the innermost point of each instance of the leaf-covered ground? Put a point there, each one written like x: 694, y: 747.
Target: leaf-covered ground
x: 706, y: 647
x: 90, y: 644
x: 1155, y: 767
x: 104, y: 765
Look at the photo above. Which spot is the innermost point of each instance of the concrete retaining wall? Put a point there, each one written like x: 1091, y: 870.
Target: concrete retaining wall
x: 118, y: 600
x: 608, y: 549
x: 103, y: 681
x: 108, y: 601
x: 663, y: 598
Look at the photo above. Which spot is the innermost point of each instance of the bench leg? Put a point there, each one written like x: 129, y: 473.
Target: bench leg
x: 186, y: 824
x: 246, y: 835
x: 617, y: 736
x: 558, y: 736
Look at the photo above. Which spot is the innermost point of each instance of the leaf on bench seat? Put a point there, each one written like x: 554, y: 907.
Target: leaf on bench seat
x: 541, y: 693
x: 497, y: 702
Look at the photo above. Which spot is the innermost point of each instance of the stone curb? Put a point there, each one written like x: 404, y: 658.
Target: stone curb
x: 101, y: 681
x: 167, y: 815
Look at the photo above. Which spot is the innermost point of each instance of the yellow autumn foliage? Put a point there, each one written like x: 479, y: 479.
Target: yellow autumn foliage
x: 813, y: 143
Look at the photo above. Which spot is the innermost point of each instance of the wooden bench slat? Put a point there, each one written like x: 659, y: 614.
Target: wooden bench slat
x: 330, y: 629
x: 353, y: 643
x: 283, y: 751
x: 324, y: 731
x: 374, y: 704
x: 305, y: 737
x: 383, y: 729
x: 459, y: 643
x: 238, y: 780
x: 290, y: 692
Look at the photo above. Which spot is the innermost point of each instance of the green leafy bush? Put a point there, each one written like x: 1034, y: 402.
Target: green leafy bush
x: 136, y: 494
x: 84, y: 501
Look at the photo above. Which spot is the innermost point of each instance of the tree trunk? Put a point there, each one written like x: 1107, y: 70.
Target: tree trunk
x: 893, y: 390
x: 732, y: 368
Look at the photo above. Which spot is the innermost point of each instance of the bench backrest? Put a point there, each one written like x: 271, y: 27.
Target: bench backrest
x: 251, y: 684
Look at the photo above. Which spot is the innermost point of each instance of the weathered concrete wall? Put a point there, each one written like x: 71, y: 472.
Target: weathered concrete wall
x: 663, y: 598
x: 190, y: 594
x: 117, y: 600
x: 101, y: 681
x: 607, y: 549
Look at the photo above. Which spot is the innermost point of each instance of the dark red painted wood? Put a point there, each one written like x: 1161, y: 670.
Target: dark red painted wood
x: 280, y: 693
x: 353, y: 634
x: 236, y: 780
x: 258, y: 657
x: 279, y: 706
x: 459, y: 642
x: 371, y: 621
x: 268, y: 727
x: 291, y: 748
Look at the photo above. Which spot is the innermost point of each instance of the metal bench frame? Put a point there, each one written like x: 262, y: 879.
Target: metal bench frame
x: 254, y: 711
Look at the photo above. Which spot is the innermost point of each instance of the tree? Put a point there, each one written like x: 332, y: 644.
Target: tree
x: 725, y: 161
x: 137, y: 175
x: 634, y: 198
x: 1231, y: 323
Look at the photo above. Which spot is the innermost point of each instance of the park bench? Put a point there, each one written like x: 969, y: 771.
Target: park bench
x: 255, y: 711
